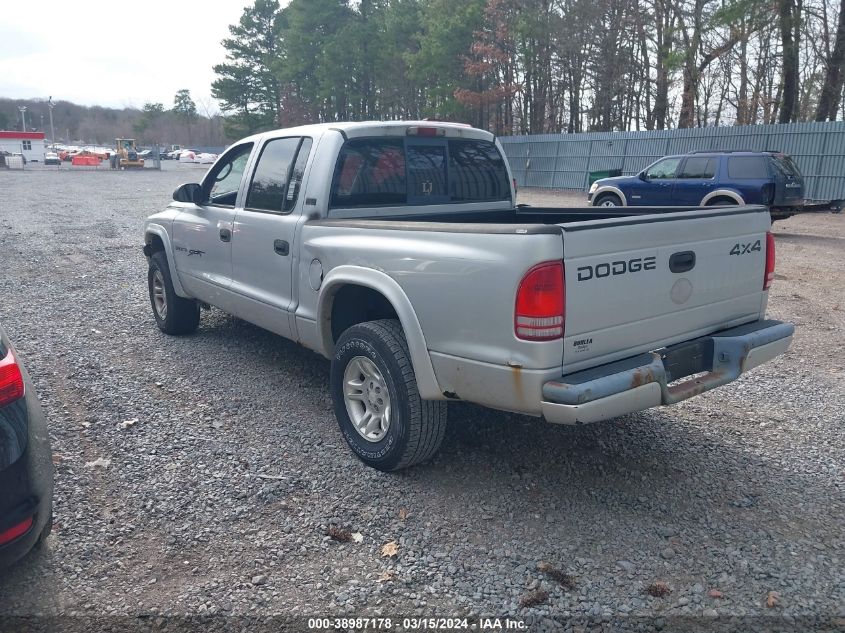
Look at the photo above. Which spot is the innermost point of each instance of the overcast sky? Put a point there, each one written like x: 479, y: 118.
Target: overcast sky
x: 116, y: 54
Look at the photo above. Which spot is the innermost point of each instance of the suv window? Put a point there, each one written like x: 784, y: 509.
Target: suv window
x: 477, y: 172
x: 786, y: 165
x: 664, y: 169
x: 224, y: 179
x: 747, y: 168
x: 699, y: 167
x: 269, y: 182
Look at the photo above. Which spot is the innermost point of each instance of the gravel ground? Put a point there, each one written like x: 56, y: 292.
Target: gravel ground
x: 226, y: 469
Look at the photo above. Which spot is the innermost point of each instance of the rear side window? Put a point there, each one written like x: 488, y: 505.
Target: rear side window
x: 747, y: 168
x: 477, y: 172
x: 391, y: 172
x: 698, y: 167
x: 269, y: 183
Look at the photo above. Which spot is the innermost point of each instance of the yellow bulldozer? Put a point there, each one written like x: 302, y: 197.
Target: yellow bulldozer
x: 125, y: 155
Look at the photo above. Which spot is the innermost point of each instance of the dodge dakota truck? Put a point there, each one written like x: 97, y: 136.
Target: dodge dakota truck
x: 397, y: 251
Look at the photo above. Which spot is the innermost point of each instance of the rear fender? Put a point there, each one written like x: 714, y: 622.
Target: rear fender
x: 723, y: 193
x: 392, y: 291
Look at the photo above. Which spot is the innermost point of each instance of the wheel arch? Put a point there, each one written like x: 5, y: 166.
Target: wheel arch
x: 723, y: 193
x: 156, y: 239
x: 345, y: 283
x: 610, y: 189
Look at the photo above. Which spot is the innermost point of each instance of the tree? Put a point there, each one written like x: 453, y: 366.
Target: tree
x: 789, y: 17
x: 248, y: 84
x: 150, y: 113
x: 833, y: 80
x: 185, y: 109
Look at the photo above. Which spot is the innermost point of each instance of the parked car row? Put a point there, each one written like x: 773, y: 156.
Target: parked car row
x: 709, y: 178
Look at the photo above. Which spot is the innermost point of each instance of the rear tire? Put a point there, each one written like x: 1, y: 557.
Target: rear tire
x: 376, y: 400
x: 608, y: 200
x: 173, y: 314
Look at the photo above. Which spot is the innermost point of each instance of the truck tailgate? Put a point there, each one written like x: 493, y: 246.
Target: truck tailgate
x: 640, y: 283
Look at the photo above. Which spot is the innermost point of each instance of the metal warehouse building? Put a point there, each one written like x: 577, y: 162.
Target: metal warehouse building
x: 564, y: 161
x: 30, y: 144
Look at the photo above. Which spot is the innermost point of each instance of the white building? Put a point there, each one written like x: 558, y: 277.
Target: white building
x: 30, y: 144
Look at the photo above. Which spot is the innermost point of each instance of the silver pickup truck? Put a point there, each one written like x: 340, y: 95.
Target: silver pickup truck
x: 397, y: 251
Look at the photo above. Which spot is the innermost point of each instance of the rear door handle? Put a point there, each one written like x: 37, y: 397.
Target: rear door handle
x: 225, y: 235
x: 281, y: 247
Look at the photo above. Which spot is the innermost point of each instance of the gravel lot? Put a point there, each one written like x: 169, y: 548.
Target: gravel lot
x: 226, y: 467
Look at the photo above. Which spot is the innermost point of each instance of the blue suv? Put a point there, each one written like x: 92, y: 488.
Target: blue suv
x: 709, y: 178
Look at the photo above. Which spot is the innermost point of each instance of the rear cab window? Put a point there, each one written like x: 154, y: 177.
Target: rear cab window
x: 377, y: 172
x: 748, y: 168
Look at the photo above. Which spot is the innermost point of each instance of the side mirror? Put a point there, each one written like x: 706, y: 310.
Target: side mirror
x: 189, y: 192
x: 643, y: 176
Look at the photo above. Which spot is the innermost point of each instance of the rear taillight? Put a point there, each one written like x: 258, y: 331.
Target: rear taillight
x: 7, y: 536
x: 541, y: 303
x: 770, y: 261
x: 11, y: 380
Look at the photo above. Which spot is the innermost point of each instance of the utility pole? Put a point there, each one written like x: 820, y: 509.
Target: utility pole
x: 23, y: 117
x: 52, y: 133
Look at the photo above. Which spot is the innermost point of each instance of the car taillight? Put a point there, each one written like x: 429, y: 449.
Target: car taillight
x: 541, y: 303
x: 15, y: 531
x: 11, y: 380
x: 770, y: 261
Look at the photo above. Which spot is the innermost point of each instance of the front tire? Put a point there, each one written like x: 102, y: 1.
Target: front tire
x: 173, y: 314
x: 608, y: 200
x: 376, y: 400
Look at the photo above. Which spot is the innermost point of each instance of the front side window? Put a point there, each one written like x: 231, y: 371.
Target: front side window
x: 224, y: 179
x: 747, y: 168
x: 664, y: 169
x: 269, y: 183
x: 699, y: 167
x: 27, y: 145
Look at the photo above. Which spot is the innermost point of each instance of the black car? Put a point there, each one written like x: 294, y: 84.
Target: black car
x: 26, y: 464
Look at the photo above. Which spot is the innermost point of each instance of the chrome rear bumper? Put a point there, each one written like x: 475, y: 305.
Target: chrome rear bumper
x: 654, y: 379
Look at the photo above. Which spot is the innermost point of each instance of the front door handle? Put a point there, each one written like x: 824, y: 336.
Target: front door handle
x: 225, y: 235
x: 281, y: 247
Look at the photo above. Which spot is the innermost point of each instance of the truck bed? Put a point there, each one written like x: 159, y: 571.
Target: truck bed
x: 530, y: 219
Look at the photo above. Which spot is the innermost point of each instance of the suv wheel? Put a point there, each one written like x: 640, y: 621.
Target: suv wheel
x: 173, y: 314
x: 608, y: 200
x: 376, y: 400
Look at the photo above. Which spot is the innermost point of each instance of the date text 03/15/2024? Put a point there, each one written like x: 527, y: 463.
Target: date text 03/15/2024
x: 417, y: 624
